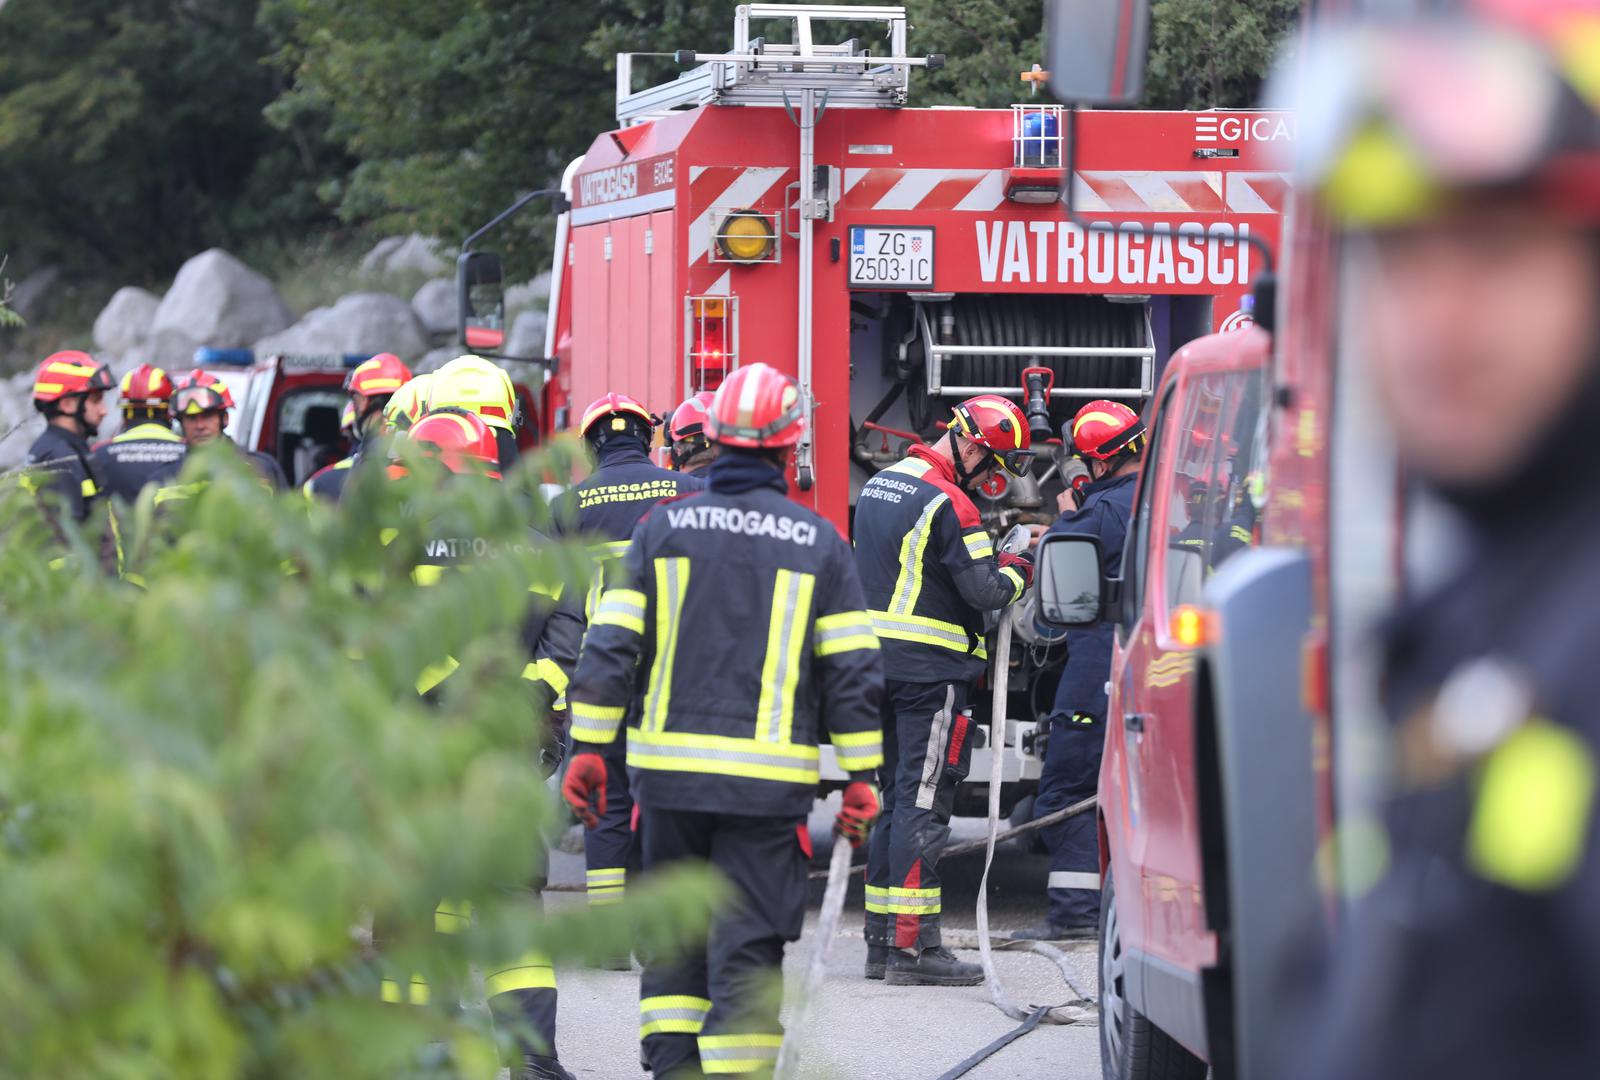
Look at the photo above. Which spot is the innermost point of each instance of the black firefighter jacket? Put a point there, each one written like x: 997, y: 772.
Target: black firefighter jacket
x: 742, y: 615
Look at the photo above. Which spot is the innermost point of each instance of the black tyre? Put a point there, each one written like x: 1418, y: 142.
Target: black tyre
x: 1131, y: 1047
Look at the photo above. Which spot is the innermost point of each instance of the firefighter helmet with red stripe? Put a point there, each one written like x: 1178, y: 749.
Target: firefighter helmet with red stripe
x: 1103, y: 429
x: 687, y: 429
x: 460, y: 439
x: 997, y: 424
x: 408, y: 404
x: 65, y: 374
x: 476, y: 385
x: 378, y: 377
x: 757, y: 407
x: 619, y: 408
x: 200, y: 392
x: 146, y: 386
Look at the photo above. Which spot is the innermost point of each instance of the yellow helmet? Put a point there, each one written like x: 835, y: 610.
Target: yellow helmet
x: 476, y: 385
x: 407, y: 404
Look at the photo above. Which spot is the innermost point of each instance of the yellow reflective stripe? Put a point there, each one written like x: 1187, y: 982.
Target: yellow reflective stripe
x: 546, y: 670
x: 87, y: 488
x: 427, y: 575
x: 857, y: 751
x: 877, y: 899
x: 979, y: 546
x: 452, y: 918
x: 1530, y: 823
x: 1016, y: 579
x: 908, y: 586
x: 386, y: 536
x: 672, y: 1014
x: 780, y: 672
x: 531, y: 972
x: 621, y: 607
x: 722, y: 755
x: 147, y: 432
x: 910, y: 467
x: 389, y: 991
x: 894, y: 901
x: 434, y: 674
x: 672, y: 582
x: 595, y: 723
x: 606, y: 885
x: 737, y: 1054
x: 844, y: 631
x: 926, y: 631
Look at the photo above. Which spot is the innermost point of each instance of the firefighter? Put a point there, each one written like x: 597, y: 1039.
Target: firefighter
x: 522, y: 995
x: 930, y: 574
x: 69, y: 390
x: 691, y: 451
x: 201, y: 403
x: 1109, y: 438
x: 370, y: 384
x: 146, y: 447
x: 742, y: 613
x: 480, y: 386
x: 604, y: 509
x: 1469, y: 948
x: 408, y: 404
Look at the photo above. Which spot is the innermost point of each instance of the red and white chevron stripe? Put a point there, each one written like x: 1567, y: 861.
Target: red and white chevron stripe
x: 983, y: 190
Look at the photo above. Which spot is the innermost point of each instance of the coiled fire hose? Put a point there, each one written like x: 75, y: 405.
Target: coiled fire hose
x: 827, y: 929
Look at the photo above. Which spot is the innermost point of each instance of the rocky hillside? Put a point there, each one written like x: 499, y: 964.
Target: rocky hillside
x: 217, y: 301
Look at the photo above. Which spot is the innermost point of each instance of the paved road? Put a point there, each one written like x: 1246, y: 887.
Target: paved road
x: 868, y: 1030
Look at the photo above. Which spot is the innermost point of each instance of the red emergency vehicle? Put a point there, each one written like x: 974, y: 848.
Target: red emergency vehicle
x: 781, y: 202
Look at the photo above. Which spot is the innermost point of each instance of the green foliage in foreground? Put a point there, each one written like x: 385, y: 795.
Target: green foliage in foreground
x: 218, y: 785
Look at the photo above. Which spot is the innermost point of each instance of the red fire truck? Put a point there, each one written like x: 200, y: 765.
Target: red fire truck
x: 781, y: 202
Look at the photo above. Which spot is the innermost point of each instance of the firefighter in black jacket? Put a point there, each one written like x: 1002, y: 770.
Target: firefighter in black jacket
x: 742, y: 613
x: 370, y: 385
x: 523, y: 993
x: 146, y: 447
x: 930, y: 574
x: 201, y: 404
x: 69, y: 389
x: 1468, y: 945
x: 603, y: 510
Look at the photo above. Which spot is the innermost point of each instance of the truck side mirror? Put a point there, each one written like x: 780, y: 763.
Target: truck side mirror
x: 1073, y: 589
x: 481, y: 301
x: 1097, y: 50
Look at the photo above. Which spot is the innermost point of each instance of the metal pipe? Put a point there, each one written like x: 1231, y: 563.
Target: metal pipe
x: 1016, y: 391
x: 1041, y: 350
x: 808, y: 182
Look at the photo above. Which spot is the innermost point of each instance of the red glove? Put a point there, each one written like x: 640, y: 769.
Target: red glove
x: 1022, y: 563
x: 859, y: 811
x: 585, y: 788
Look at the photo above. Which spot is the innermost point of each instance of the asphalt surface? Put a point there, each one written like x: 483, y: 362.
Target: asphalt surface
x: 864, y: 1030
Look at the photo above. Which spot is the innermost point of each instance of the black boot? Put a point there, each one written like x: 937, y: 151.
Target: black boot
x: 539, y: 1067
x: 935, y: 967
x: 877, y: 960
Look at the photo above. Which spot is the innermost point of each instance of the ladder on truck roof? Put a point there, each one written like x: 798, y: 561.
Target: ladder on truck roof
x: 760, y: 72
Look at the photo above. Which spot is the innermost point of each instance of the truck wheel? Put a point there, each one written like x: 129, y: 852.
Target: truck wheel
x: 1131, y: 1047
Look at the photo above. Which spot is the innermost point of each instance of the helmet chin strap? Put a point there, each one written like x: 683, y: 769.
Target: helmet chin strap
x: 964, y: 477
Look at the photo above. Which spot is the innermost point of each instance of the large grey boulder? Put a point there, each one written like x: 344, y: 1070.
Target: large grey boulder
x: 31, y: 296
x: 526, y: 340
x: 123, y: 325
x: 434, y: 359
x: 19, y: 422
x: 414, y: 254
x: 359, y: 323
x: 215, y: 300
x: 529, y: 294
x: 435, y: 305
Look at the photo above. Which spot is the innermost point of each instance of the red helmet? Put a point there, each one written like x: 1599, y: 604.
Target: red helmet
x: 458, y: 438
x: 146, y: 385
x: 65, y: 374
x: 380, y: 376
x: 1103, y: 429
x: 687, y: 429
x: 200, y: 392
x: 616, y: 406
x: 757, y: 407
x: 996, y: 423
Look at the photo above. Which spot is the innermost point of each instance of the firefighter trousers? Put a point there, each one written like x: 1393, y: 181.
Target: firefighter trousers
x: 926, y: 754
x: 714, y: 1010
x: 522, y: 993
x: 611, y: 849
x: 1071, y: 773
